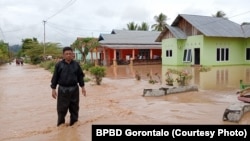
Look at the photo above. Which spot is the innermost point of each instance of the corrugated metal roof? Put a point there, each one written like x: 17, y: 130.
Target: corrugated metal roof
x: 212, y: 26
x: 123, y: 46
x: 246, y: 29
x: 130, y: 37
x: 177, y: 32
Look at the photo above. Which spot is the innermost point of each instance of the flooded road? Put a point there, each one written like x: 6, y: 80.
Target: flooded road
x: 28, y: 112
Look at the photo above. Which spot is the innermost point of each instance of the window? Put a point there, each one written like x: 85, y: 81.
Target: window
x: 168, y: 53
x: 222, y: 54
x: 187, y: 55
x: 248, y: 54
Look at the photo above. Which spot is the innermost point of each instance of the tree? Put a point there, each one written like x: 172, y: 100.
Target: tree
x: 144, y: 26
x: 132, y: 26
x: 4, y: 54
x: 53, y: 49
x: 34, y: 50
x: 27, y: 44
x: 220, y: 14
x: 160, y: 22
x: 85, y: 45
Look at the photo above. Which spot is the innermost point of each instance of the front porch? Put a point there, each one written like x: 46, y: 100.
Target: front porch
x: 137, y: 62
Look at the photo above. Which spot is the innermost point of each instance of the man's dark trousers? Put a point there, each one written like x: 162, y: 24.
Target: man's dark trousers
x: 68, y: 99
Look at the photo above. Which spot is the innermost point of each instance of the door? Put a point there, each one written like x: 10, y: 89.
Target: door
x: 197, y: 56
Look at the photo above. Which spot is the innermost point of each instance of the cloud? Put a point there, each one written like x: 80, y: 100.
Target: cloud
x: 69, y: 19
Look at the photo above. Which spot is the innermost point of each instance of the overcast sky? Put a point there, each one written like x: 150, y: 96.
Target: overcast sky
x: 68, y: 19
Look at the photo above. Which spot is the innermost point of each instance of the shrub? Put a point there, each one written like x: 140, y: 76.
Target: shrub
x: 169, y: 80
x: 98, y: 72
x: 151, y: 80
x: 47, y: 64
x: 182, y: 76
x: 87, y: 66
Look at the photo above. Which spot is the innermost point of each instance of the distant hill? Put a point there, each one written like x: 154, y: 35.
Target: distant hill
x: 15, y: 48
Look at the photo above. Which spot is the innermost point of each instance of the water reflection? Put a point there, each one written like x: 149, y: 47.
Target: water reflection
x: 224, y: 77
x: 217, y: 78
x: 127, y: 71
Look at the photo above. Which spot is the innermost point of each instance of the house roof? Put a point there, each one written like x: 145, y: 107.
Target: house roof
x: 208, y: 26
x: 177, y: 32
x: 212, y: 26
x: 246, y: 29
x: 130, y: 39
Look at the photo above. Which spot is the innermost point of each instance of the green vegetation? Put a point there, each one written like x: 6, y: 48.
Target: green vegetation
x: 48, y: 65
x: 37, y: 52
x: 87, y: 66
x: 98, y: 72
x: 151, y: 80
x: 183, y: 76
x: 161, y: 22
x: 169, y: 78
x: 158, y: 26
x: 84, y: 46
x: 4, y: 54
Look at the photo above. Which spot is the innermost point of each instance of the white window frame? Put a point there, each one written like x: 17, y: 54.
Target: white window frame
x: 223, y: 54
x: 187, y: 56
x: 169, y: 53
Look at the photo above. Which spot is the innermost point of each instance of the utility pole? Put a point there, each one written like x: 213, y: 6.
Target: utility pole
x: 44, y: 22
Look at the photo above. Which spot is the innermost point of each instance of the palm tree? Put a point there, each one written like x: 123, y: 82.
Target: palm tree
x: 220, y: 14
x: 144, y: 26
x: 160, y: 22
x: 132, y: 26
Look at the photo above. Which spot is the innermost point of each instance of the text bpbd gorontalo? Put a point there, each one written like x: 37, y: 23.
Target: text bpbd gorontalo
x: 174, y: 133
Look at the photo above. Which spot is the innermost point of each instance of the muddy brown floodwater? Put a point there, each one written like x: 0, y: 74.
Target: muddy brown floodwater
x: 28, y: 112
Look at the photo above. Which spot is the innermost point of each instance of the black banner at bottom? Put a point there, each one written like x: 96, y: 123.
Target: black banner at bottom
x: 171, y: 132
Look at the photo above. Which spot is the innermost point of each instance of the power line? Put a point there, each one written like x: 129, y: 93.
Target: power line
x: 63, y: 8
x: 239, y: 14
x: 63, y: 27
x: 44, y: 21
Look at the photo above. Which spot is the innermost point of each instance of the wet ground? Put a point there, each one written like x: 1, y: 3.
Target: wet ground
x: 28, y: 112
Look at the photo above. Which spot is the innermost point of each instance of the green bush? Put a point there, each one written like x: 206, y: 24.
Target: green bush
x: 35, y: 60
x: 98, y: 72
x: 48, y: 65
x: 87, y: 66
x: 86, y: 79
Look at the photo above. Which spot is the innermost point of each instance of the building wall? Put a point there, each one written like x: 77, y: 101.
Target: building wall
x: 208, y: 47
x: 192, y: 43
x: 169, y: 44
x: 178, y: 47
x: 78, y: 55
x: 235, y: 47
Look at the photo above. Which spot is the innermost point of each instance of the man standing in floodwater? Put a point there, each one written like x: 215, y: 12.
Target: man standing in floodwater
x: 68, y: 75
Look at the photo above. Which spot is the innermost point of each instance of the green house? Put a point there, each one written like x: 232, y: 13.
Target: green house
x: 203, y: 40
